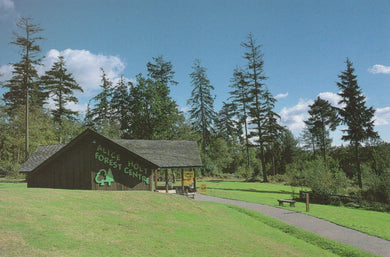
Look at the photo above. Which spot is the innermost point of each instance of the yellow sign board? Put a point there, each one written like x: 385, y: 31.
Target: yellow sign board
x: 188, y: 177
x: 203, y: 188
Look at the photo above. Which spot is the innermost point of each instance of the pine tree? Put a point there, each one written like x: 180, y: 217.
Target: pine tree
x: 101, y: 113
x: 355, y: 115
x: 154, y: 114
x: 161, y: 71
x: 24, y: 89
x: 224, y: 123
x: 308, y: 140
x: 288, y: 149
x: 61, y: 85
x: 87, y: 122
x: 25, y: 76
x: 323, y: 118
x: 239, y: 97
x: 120, y: 105
x: 255, y: 79
x: 202, y: 112
x: 271, y: 127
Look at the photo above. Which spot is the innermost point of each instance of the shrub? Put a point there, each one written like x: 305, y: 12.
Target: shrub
x: 326, y: 182
x: 377, y: 187
x: 244, y: 172
x: 297, y: 173
x: 279, y: 178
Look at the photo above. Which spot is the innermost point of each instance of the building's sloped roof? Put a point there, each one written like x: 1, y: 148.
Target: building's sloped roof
x: 42, y: 153
x: 162, y: 153
x: 165, y: 153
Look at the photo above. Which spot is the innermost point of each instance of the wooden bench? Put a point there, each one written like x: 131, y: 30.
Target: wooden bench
x: 291, y: 202
x: 185, y: 193
x: 190, y: 195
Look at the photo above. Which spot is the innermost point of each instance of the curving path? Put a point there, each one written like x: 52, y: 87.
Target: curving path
x: 318, y: 226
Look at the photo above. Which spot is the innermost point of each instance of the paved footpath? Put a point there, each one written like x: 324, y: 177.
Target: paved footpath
x: 318, y: 226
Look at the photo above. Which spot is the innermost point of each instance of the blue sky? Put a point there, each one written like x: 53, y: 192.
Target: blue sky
x: 305, y: 45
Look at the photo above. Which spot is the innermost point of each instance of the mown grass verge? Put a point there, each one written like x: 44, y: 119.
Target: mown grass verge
x: 50, y: 222
x: 324, y: 243
x: 370, y: 222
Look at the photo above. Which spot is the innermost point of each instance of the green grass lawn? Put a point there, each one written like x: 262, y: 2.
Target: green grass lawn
x: 51, y: 222
x: 370, y: 222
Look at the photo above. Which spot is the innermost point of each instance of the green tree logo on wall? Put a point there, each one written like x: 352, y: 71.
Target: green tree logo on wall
x: 104, y: 176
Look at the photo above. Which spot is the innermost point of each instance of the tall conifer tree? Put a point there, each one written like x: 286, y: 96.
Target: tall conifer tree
x: 355, y: 114
x: 240, y: 98
x: 24, y: 89
x: 202, y: 112
x: 154, y: 115
x: 224, y: 123
x: 161, y: 70
x: 61, y: 85
x: 102, y: 112
x: 323, y: 117
x: 272, y: 129
x: 255, y: 78
x: 120, y: 106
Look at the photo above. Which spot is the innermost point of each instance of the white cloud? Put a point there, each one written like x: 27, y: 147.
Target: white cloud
x: 7, y: 5
x: 332, y: 98
x: 294, y: 117
x: 5, y: 72
x: 379, y: 68
x: 382, y: 116
x: 7, y: 8
x: 280, y: 96
x: 79, y: 107
x: 85, y: 67
x: 184, y: 109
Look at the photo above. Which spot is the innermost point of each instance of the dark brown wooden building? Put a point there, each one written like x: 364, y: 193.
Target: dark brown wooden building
x: 92, y: 161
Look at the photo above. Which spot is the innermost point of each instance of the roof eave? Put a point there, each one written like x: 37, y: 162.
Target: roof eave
x: 181, y: 167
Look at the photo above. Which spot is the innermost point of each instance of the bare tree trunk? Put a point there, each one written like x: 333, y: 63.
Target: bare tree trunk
x: 359, y: 172
x: 27, y: 125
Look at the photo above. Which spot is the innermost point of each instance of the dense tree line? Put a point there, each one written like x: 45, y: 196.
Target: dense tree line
x: 244, y: 138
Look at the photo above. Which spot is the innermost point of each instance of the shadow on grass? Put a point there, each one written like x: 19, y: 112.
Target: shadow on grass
x: 252, y: 190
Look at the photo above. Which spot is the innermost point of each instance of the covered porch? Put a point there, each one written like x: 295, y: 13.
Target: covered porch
x: 176, y: 180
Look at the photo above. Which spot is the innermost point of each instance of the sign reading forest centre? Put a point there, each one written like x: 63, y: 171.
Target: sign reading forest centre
x: 188, y: 177
x: 113, y: 161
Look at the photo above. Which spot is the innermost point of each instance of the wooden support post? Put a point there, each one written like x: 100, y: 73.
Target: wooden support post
x: 307, y: 202
x: 194, y: 179
x: 182, y: 180
x: 150, y: 180
x: 166, y: 180
x: 155, y: 180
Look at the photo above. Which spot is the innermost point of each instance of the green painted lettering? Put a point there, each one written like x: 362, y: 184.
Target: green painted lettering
x: 99, y: 148
x: 145, y: 180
